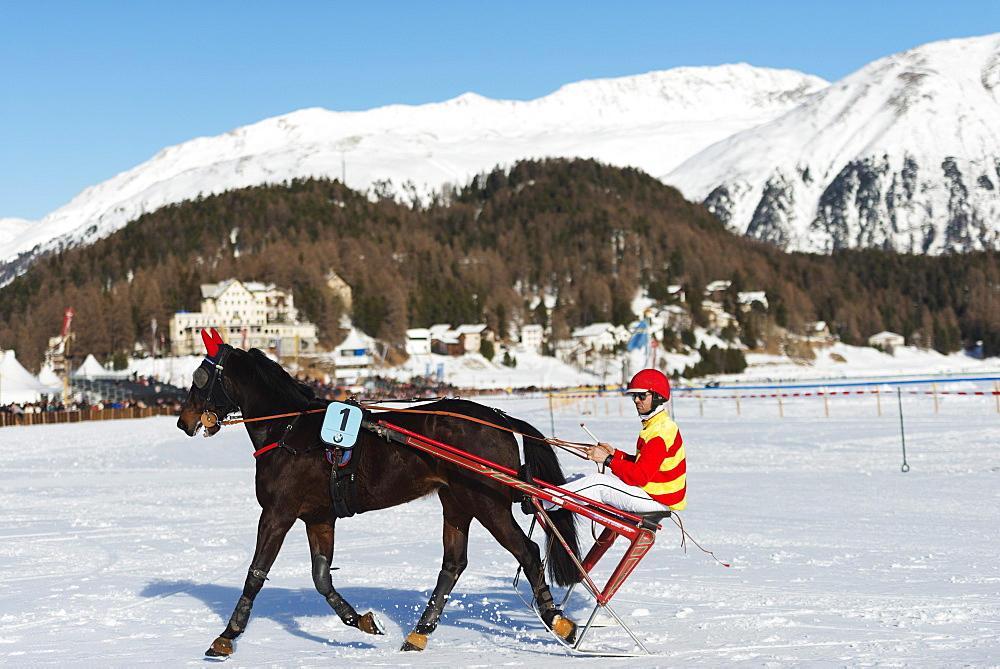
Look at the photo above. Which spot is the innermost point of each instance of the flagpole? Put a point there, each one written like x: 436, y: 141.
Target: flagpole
x: 649, y: 349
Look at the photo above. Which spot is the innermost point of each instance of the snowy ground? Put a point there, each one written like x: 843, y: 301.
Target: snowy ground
x: 126, y: 544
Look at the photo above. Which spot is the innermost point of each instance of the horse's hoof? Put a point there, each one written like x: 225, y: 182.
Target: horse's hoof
x: 220, y: 648
x: 371, y: 623
x: 415, y: 641
x: 565, y: 628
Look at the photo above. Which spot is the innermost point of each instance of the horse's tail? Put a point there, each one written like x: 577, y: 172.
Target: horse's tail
x: 543, y: 464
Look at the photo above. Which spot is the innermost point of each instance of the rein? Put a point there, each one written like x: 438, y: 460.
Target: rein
x: 235, y: 421
x: 573, y: 447
x: 576, y: 448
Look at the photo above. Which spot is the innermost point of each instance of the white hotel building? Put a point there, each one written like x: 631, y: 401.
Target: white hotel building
x: 247, y: 315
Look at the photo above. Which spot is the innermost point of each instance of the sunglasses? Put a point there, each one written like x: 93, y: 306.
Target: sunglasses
x: 641, y: 396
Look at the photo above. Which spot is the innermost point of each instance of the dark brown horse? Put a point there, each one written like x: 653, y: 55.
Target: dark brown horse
x: 293, y: 483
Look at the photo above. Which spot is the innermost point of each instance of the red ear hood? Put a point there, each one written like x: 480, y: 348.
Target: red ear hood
x: 211, y: 346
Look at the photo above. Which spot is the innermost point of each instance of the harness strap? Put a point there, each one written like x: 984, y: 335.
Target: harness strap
x: 262, y: 451
x: 281, y: 442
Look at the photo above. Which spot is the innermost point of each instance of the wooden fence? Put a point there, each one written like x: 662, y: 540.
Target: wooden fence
x: 743, y: 398
x: 50, y: 417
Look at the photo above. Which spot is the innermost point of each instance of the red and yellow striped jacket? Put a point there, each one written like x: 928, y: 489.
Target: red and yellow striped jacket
x: 658, y: 466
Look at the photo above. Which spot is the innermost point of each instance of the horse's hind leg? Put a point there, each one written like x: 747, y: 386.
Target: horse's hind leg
x: 500, y: 523
x: 271, y: 531
x: 456, y: 557
x: 321, y: 546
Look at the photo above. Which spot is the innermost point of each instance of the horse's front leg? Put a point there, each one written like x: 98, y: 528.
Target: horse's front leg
x: 271, y: 531
x: 321, y: 546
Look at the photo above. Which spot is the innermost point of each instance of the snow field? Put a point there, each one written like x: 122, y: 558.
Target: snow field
x: 127, y: 544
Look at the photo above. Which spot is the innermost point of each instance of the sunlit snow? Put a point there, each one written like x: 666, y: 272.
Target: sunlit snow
x: 126, y: 543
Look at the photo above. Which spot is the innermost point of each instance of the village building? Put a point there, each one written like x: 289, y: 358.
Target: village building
x: 418, y: 341
x: 716, y: 290
x: 442, y: 339
x: 532, y: 338
x: 819, y: 330
x: 676, y: 293
x: 471, y: 337
x: 446, y: 340
x: 447, y: 344
x: 341, y: 289
x: 248, y: 315
x: 592, y: 343
x: 672, y: 316
x: 887, y: 341
x: 716, y: 315
x: 748, y: 298
x: 353, y: 358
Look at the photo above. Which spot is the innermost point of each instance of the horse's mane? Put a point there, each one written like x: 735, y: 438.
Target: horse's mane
x: 270, y: 375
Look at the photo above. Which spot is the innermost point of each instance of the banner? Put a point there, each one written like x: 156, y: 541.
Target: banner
x: 640, y: 337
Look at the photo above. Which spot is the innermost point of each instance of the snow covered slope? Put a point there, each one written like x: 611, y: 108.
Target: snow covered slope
x: 654, y: 121
x: 902, y: 154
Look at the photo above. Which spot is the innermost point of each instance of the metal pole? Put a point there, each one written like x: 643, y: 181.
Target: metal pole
x: 902, y: 432
x: 552, y: 418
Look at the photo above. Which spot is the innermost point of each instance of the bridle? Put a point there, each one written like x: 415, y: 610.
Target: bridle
x: 209, y: 384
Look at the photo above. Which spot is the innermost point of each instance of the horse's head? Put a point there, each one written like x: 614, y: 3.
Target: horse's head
x: 207, y: 401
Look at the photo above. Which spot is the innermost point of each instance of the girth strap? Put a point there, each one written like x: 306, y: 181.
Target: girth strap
x: 343, y: 486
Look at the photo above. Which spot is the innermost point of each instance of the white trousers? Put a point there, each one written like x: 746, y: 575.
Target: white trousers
x: 611, y: 490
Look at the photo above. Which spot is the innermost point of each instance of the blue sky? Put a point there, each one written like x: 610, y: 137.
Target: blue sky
x: 90, y: 89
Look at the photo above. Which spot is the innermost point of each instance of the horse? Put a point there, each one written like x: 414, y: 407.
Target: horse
x: 293, y: 482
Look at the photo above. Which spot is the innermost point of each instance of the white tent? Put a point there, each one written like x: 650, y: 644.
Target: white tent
x: 91, y: 369
x: 17, y: 385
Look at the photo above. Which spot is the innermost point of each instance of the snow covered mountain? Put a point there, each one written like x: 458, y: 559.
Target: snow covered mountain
x: 903, y: 154
x: 653, y: 121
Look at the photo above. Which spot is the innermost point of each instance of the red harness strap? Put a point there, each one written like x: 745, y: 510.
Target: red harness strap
x: 265, y: 449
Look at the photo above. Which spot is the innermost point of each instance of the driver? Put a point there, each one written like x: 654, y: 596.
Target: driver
x: 655, y: 477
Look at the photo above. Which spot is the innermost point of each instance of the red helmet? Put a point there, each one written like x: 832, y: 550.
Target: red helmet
x: 650, y: 379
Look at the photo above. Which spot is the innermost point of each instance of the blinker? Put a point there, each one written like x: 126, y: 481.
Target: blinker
x: 200, y: 377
